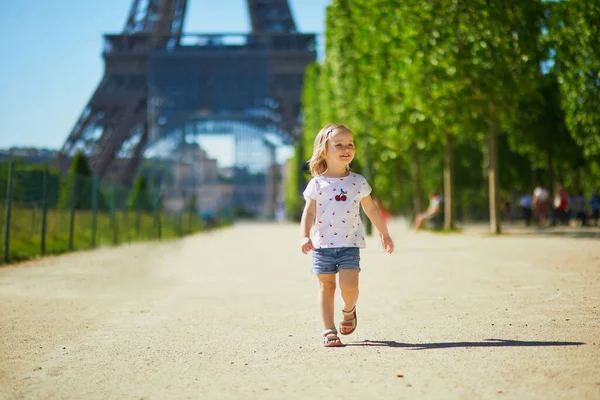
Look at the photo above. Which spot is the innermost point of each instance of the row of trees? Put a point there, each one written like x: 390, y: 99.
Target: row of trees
x: 437, y: 91
x: 78, y: 189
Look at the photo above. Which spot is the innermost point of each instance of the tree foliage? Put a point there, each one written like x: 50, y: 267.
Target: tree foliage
x: 461, y: 86
x: 574, y: 38
x: 140, y: 197
x: 77, y: 188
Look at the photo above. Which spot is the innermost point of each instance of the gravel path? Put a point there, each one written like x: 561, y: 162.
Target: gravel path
x: 233, y: 314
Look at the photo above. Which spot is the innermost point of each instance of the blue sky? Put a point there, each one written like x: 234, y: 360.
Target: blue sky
x: 52, y: 62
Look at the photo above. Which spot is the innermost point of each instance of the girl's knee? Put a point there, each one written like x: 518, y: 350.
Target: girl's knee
x: 327, y: 286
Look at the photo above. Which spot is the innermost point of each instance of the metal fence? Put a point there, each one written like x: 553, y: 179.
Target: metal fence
x: 46, y: 213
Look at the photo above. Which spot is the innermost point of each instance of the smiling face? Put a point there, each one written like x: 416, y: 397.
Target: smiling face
x: 340, y: 149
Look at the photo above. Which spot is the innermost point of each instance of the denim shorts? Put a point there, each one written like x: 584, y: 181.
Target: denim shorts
x: 330, y: 261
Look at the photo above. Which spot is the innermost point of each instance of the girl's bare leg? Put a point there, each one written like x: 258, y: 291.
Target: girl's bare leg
x: 326, y: 299
x: 349, y: 289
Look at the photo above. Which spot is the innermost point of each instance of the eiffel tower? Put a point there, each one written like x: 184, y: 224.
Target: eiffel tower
x: 157, y: 79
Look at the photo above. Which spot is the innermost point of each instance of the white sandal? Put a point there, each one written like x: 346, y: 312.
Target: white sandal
x: 330, y: 338
x: 350, y: 323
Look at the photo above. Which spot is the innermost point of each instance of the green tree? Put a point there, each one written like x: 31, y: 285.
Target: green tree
x: 499, y: 59
x: 574, y: 38
x: 77, y: 186
x: 296, y: 174
x: 140, y: 197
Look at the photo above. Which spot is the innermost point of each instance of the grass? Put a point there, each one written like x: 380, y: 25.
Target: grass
x: 26, y: 230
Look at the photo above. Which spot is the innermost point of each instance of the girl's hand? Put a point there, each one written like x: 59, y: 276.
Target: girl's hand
x: 306, y: 245
x: 387, y: 242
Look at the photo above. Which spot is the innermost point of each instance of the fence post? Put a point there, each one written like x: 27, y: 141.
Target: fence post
x: 180, y: 223
x: 94, y: 209
x: 157, y: 216
x: 113, y: 218
x: 8, y: 207
x: 138, y: 217
x: 72, y: 217
x: 126, y: 228
x: 44, y: 210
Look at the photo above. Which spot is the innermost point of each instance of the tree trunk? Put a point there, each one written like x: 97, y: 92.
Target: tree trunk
x: 416, y: 173
x: 301, y: 167
x: 550, y: 171
x: 367, y: 175
x: 448, y: 182
x: 493, y: 179
x: 399, y: 179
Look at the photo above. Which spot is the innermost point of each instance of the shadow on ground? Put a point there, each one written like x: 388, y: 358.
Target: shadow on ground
x: 486, y: 343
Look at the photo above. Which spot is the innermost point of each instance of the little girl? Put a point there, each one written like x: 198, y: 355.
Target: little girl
x: 333, y: 199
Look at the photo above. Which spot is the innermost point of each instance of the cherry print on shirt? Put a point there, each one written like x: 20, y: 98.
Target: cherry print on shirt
x: 342, y: 196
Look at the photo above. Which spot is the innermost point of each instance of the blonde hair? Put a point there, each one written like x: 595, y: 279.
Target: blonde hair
x: 318, y: 163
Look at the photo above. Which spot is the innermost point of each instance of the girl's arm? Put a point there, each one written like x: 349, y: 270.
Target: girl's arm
x: 372, y: 212
x: 308, y: 218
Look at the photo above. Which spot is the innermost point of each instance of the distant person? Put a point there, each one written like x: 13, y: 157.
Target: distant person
x: 333, y: 199
x: 561, y: 205
x: 526, y: 204
x: 505, y: 208
x: 541, y: 207
x: 434, y: 208
x: 595, y: 205
x: 580, y: 208
x: 280, y: 212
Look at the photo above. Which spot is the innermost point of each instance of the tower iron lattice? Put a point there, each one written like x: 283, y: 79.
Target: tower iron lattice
x: 159, y: 83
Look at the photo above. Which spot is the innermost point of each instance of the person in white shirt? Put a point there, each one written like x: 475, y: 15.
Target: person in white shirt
x: 435, y: 207
x: 541, y: 206
x: 332, y: 229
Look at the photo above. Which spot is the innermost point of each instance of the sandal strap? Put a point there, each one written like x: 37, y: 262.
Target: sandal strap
x: 351, y: 312
x: 329, y: 332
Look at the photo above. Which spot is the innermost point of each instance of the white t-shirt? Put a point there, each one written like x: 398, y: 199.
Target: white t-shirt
x: 338, y: 223
x: 541, y: 194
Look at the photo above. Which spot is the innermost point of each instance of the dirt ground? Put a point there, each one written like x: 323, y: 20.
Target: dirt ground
x: 233, y: 314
